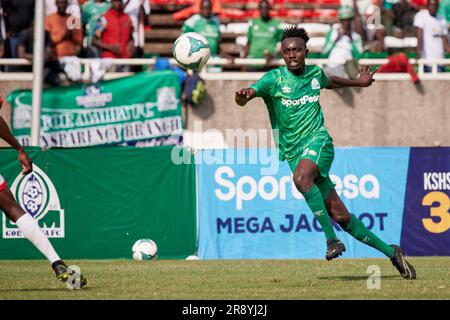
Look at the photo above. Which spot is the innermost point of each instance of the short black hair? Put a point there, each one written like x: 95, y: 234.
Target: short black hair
x: 295, y: 32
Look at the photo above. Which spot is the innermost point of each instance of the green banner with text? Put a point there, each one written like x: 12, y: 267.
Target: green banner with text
x: 142, y: 110
x: 94, y: 203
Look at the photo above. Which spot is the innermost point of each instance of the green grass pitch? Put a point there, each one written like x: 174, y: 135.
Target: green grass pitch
x: 228, y: 279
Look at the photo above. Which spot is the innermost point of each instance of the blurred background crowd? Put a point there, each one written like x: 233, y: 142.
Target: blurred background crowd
x: 341, y: 30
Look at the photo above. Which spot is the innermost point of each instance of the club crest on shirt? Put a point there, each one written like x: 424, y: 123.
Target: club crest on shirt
x: 315, y: 85
x: 286, y: 90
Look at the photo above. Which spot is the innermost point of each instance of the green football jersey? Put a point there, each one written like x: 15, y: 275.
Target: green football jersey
x: 263, y: 36
x: 293, y: 105
x: 209, y: 28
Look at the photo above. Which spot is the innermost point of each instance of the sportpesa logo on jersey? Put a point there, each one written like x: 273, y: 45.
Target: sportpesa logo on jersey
x: 37, y: 195
x: 299, y: 102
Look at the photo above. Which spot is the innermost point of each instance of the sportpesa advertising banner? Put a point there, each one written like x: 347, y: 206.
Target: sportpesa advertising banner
x: 426, y: 219
x: 94, y: 203
x: 142, y: 110
x: 249, y: 208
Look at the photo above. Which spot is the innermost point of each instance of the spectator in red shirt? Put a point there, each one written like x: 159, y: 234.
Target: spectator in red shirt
x: 113, y: 33
x: 65, y: 31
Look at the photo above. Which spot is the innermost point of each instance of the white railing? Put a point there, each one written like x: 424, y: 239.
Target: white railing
x: 434, y: 63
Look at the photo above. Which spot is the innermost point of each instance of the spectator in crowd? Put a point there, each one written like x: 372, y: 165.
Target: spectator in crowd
x: 92, y: 11
x: 65, y: 31
x: 208, y: 25
x: 138, y: 10
x: 374, y: 31
x: 52, y: 68
x: 18, y: 17
x: 344, y: 45
x: 432, y: 34
x: 444, y: 11
x: 264, y: 34
x: 113, y: 33
x: 403, y: 24
x: 73, y: 8
x: 387, y: 16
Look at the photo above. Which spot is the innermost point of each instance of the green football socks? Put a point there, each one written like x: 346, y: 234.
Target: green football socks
x: 315, y: 202
x: 359, y: 231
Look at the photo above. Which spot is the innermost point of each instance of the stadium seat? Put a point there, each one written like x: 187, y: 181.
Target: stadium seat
x: 316, y: 44
x: 232, y: 14
x: 314, y: 29
x: 327, y: 2
x: 162, y: 2
x: 185, y: 13
x: 235, y: 27
x: 296, y: 1
x: 182, y: 2
x: 394, y: 42
x: 299, y: 13
x: 325, y: 13
x: 419, y: 3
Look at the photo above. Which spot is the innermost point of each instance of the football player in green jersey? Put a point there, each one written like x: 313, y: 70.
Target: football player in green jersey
x: 291, y: 94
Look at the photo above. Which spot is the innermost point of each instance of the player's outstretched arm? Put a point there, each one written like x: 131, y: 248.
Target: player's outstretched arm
x: 6, y: 135
x: 365, y: 79
x: 244, y: 95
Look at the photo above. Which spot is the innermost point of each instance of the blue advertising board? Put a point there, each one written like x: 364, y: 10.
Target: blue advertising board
x: 426, y: 220
x: 251, y: 208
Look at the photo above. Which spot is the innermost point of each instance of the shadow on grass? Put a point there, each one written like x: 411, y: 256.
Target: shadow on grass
x: 353, y: 278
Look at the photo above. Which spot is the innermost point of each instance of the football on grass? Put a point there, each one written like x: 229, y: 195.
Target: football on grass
x: 144, y: 249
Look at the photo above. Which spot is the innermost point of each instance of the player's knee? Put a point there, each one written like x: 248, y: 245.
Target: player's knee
x: 13, y: 211
x: 303, y: 182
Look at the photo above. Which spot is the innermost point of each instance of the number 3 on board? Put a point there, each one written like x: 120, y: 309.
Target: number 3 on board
x: 440, y: 211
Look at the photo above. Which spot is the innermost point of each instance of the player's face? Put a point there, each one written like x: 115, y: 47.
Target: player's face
x: 264, y: 10
x: 294, y: 53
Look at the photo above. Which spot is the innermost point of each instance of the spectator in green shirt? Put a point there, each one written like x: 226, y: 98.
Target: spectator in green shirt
x: 444, y: 11
x: 92, y: 10
x: 208, y: 25
x: 263, y: 35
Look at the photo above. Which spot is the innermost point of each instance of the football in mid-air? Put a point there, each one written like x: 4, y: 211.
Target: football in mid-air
x: 144, y: 249
x: 191, y: 50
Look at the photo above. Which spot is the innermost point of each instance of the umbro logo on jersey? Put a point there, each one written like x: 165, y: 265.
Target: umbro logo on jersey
x: 310, y: 152
x: 319, y: 213
x: 286, y: 90
x: 315, y: 85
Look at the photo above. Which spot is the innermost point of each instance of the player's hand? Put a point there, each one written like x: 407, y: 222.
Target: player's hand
x: 366, y: 76
x: 25, y: 161
x: 243, y: 96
